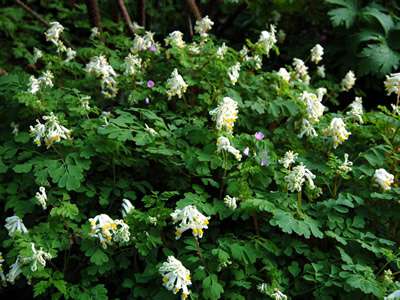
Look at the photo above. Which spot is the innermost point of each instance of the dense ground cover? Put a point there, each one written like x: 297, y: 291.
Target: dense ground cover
x: 146, y: 166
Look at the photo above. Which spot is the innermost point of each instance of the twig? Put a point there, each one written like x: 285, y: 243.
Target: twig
x: 194, y: 9
x: 125, y: 15
x: 32, y: 13
x: 94, y: 13
x: 190, y: 26
x: 142, y: 11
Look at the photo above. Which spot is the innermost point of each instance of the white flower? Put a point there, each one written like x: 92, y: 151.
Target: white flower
x: 14, y: 224
x: 315, y: 109
x: 256, y: 60
x: 51, y: 132
x: 225, y: 114
x: 15, y: 271
x: 145, y: 42
x: 348, y: 81
x: 102, y: 228
x: 223, y: 144
x: 346, y: 166
x: 393, y: 296
x: 94, y: 33
x: 133, y: 64
x: 153, y: 220
x: 85, y: 102
x: 383, y: 178
x: 189, y: 218
x: 233, y: 73
x: 230, y: 202
x: 37, y: 54
x: 278, y: 295
x: 175, y: 276
x: 194, y: 49
x: 121, y: 233
x: 262, y: 288
x: 356, y: 109
x: 221, y: 51
x: 284, y: 74
x: 296, y: 178
x: 288, y: 159
x: 337, y: 129
x: 175, y: 39
x: 99, y: 66
x: 45, y: 80
x: 176, y: 85
x: 150, y: 130
x: 71, y: 53
x: 307, y: 129
x: 2, y: 277
x: 396, y: 109
x: 267, y: 40
x: 15, y: 128
x: 38, y: 256
x: 54, y: 32
x: 127, y: 207
x: 301, y: 70
x: 321, y: 71
x: 392, y: 83
x: 316, y: 53
x: 203, y: 26
x: 41, y: 197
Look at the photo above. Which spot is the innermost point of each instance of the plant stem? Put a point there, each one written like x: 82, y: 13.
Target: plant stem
x: 299, y: 204
x: 199, y: 250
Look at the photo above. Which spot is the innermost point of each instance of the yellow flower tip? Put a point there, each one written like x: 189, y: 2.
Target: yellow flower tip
x: 184, y: 296
x: 165, y: 279
x: 176, y: 290
x: 188, y: 278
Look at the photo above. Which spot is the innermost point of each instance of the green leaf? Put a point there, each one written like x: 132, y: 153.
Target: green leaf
x: 99, y: 257
x: 212, y: 289
x: 384, y: 19
x: 345, y: 15
x: 378, y: 59
x: 23, y: 168
x: 40, y: 288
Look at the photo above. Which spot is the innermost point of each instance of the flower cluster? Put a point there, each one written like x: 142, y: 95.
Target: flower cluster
x: 301, y: 70
x: 203, y: 26
x: 284, y: 74
x: 267, y: 40
x: 348, y: 81
x: 316, y: 53
x: 384, y: 179
x: 346, y: 166
x: 53, y: 35
x: 108, y: 230
x: 35, y: 84
x: 315, y: 109
x: 356, y: 109
x: 233, y: 73
x: 127, y: 207
x: 145, y: 42
x: 38, y: 257
x: 288, y: 159
x: 175, y: 276
x: 99, y: 66
x: 189, y: 218
x: 51, y: 132
x: 221, y: 51
x: 15, y: 271
x: 225, y: 114
x: 223, y: 144
x: 230, y: 202
x: 133, y: 64
x: 392, y: 83
x: 2, y: 277
x: 14, y: 224
x: 176, y: 86
x: 175, y: 39
x: 337, y: 129
x: 297, y: 176
x: 41, y: 197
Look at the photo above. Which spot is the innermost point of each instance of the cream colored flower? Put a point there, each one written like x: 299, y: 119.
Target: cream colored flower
x: 233, y: 73
x: 189, y: 218
x: 203, y: 26
x: 315, y: 109
x: 37, y: 54
x: 99, y: 66
x: 288, y: 159
x: 176, y: 86
x: 14, y: 224
x: 348, y: 81
x: 284, y: 74
x: 230, y: 202
x: 301, y: 70
x: 356, y: 109
x: 316, y: 53
x: 384, y: 179
x: 321, y: 71
x: 127, y: 207
x: 15, y: 271
x: 175, y: 276
x: 46, y: 79
x: 133, y: 64
x: 297, y: 177
x: 175, y: 39
x: 41, y: 197
x: 51, y: 132
x: 346, y: 166
x: 225, y: 114
x: 307, y: 129
x: 223, y: 144
x: 221, y: 51
x: 267, y: 40
x: 38, y: 257
x: 392, y: 83
x: 337, y: 129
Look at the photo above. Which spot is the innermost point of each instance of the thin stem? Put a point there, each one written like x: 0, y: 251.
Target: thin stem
x: 255, y: 223
x: 199, y: 253
x: 32, y: 13
x: 335, y: 187
x: 299, y: 204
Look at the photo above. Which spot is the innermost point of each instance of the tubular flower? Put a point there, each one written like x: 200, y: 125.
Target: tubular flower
x: 221, y: 51
x: 71, y: 53
x: 284, y: 74
x: 37, y: 54
x: 189, y: 218
x: 14, y: 224
x: 145, y: 42
x: 301, y: 70
x: 296, y: 178
x: 233, y: 73
x: 383, y: 178
x: 315, y: 109
x: 321, y: 71
x: 35, y: 84
x: 94, y: 32
x: 176, y: 85
x: 203, y: 26
x: 307, y: 129
x: 223, y: 144
x: 356, y: 109
x: 392, y: 83
x: 51, y: 132
x: 345, y: 167
x: 175, y: 39
x: 230, y: 202
x: 133, y: 64
x: 348, y: 81
x: 2, y: 277
x: 108, y: 230
x: 53, y: 35
x: 225, y: 114
x: 99, y: 66
x: 38, y: 256
x: 288, y: 159
x: 175, y: 276
x: 41, y: 197
x: 267, y: 40
x: 127, y: 207
x: 278, y: 295
x: 316, y: 53
x: 337, y: 129
x: 15, y: 271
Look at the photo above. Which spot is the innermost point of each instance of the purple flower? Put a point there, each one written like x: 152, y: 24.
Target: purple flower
x: 246, y: 151
x: 152, y: 48
x: 150, y: 84
x: 259, y: 135
x: 263, y: 158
